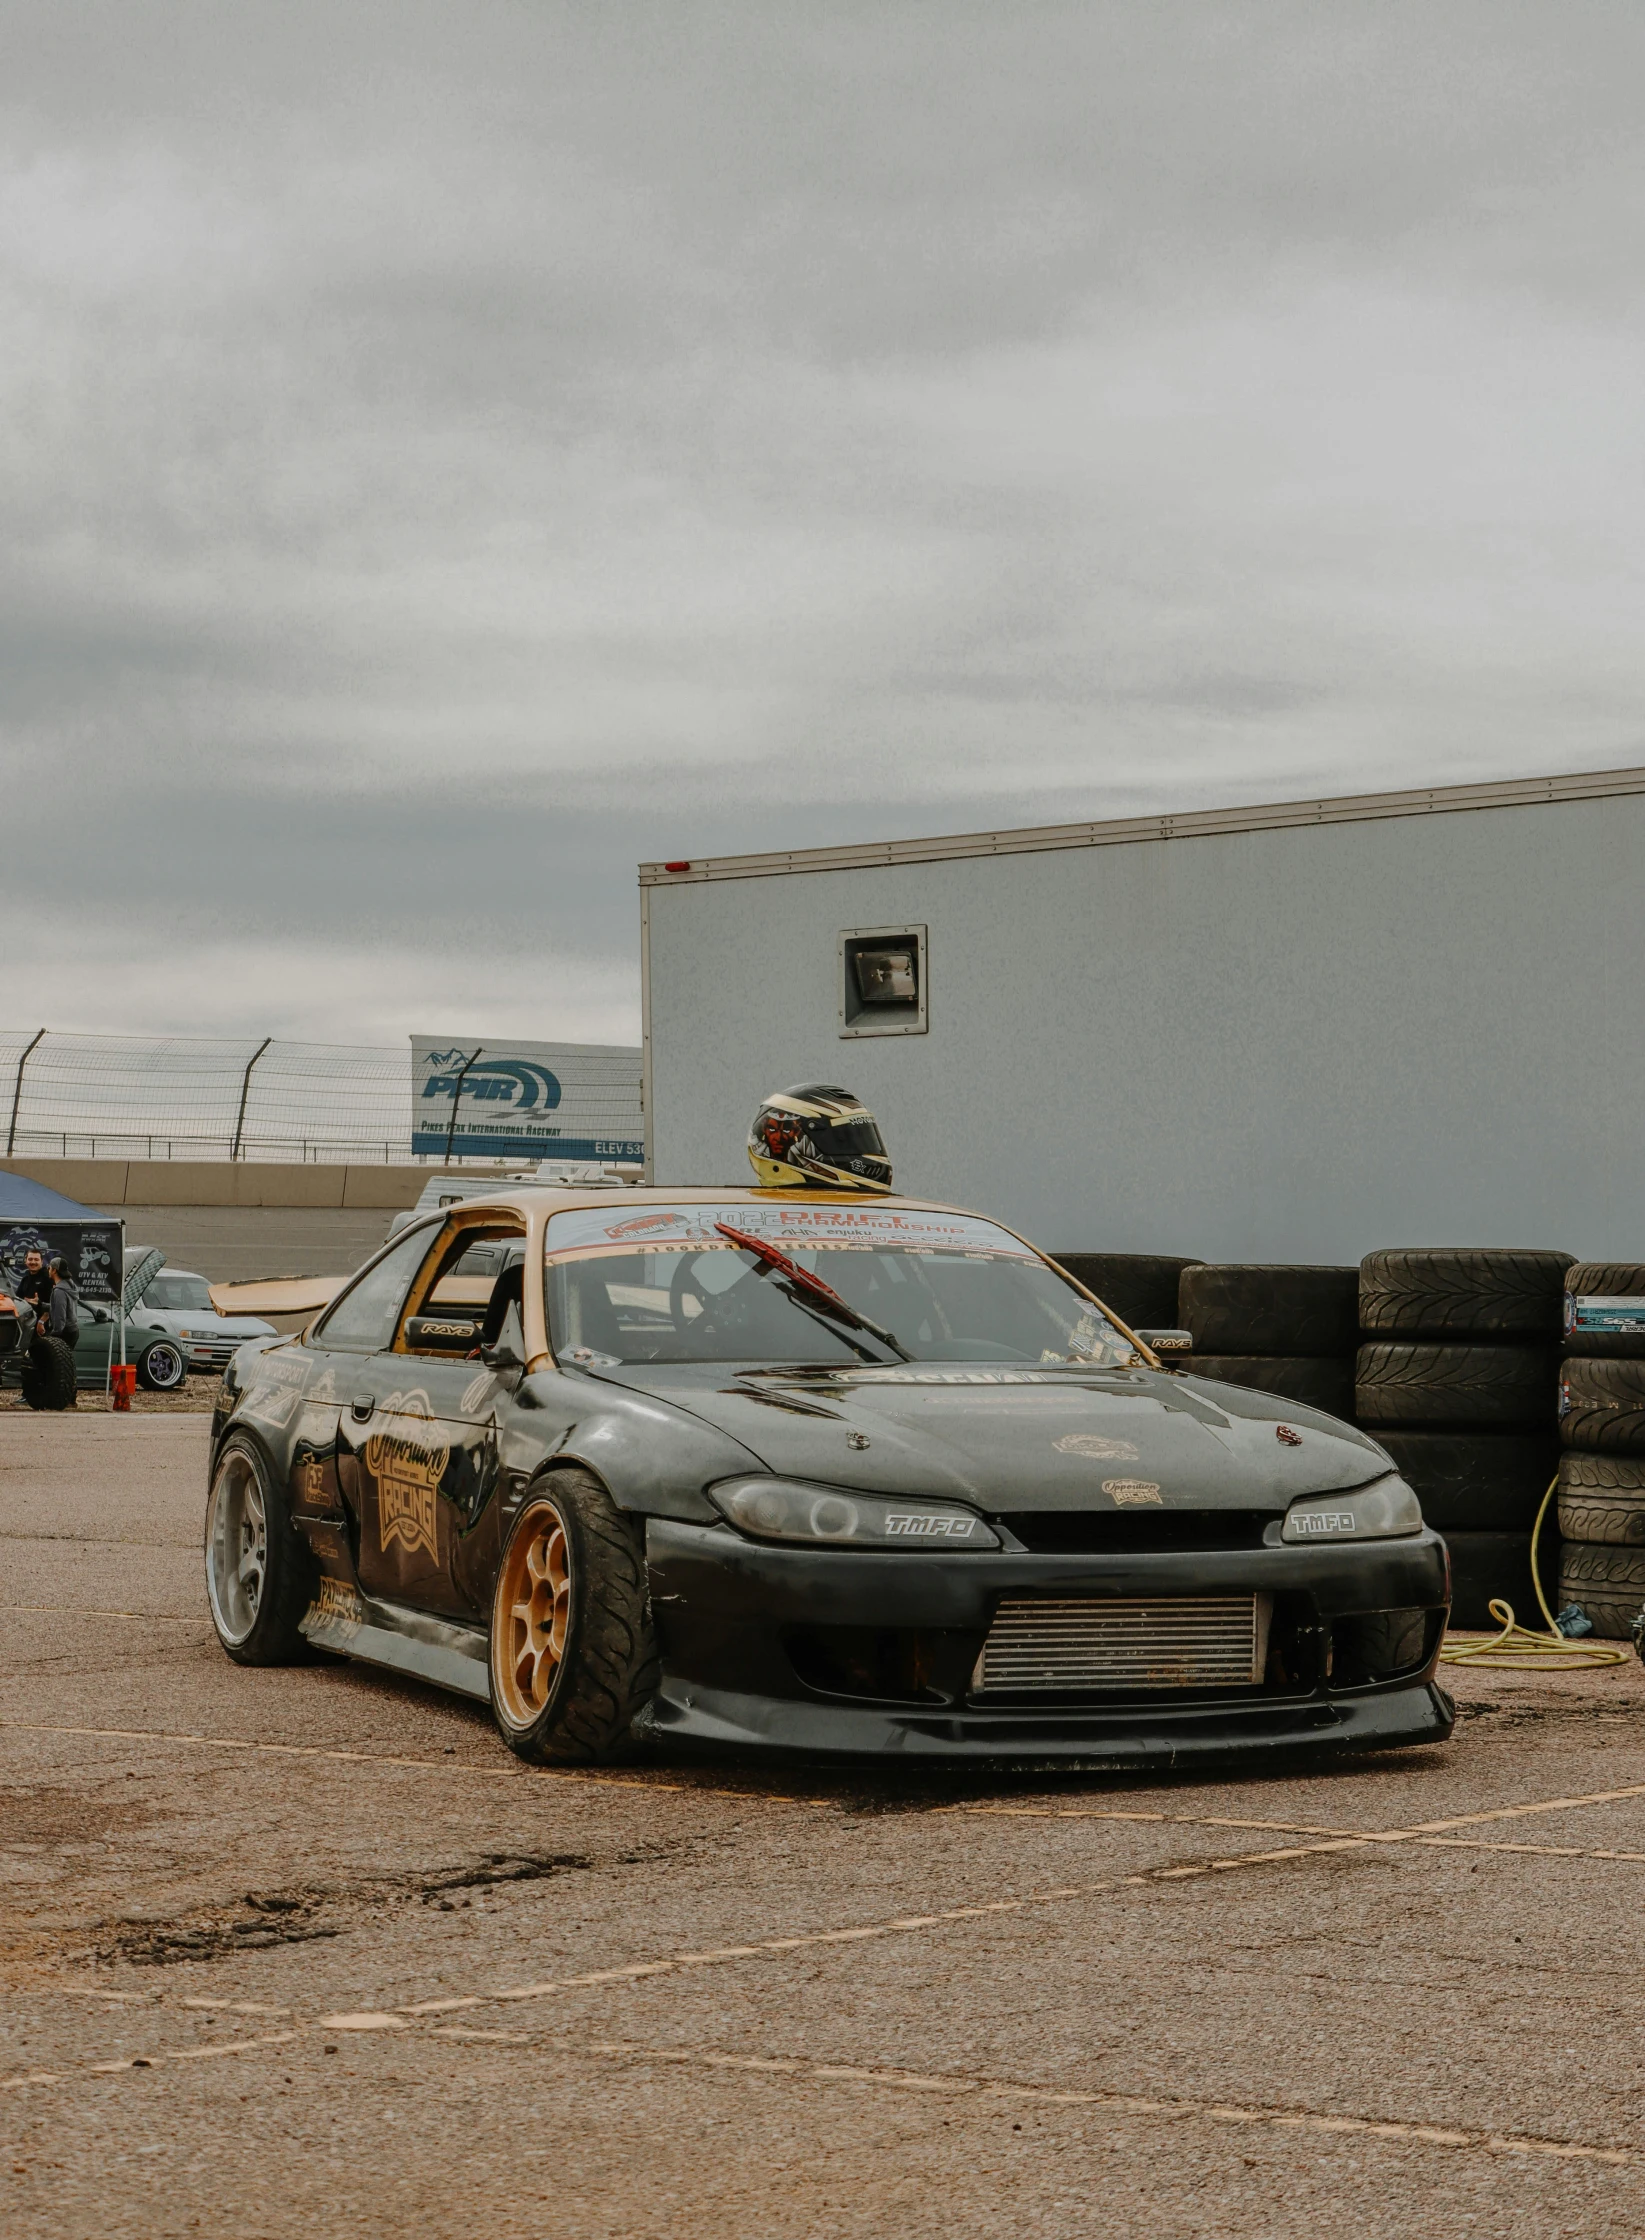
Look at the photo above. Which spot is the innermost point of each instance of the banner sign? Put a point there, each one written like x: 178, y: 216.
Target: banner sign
x: 525, y: 1100
x: 89, y: 1251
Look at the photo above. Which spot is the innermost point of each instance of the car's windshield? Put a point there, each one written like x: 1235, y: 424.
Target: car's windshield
x: 178, y: 1294
x: 668, y: 1286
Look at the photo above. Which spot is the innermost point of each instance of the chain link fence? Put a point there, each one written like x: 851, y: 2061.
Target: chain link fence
x: 79, y: 1096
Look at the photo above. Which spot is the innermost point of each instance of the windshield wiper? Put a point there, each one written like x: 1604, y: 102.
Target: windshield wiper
x: 811, y: 1290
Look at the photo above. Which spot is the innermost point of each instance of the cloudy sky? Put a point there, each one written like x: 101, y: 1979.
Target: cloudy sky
x: 450, y: 453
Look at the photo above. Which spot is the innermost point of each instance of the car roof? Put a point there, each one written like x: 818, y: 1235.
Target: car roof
x: 537, y: 1197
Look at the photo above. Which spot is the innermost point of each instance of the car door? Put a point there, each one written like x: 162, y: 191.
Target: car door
x: 334, y: 1380
x: 422, y: 1422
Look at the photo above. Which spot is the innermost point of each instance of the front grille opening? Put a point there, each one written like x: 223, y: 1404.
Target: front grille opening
x: 1085, y: 1532
x: 1378, y: 1645
x: 1088, y: 1644
x: 883, y: 1664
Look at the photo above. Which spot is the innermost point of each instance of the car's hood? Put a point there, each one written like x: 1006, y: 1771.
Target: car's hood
x: 203, y: 1324
x: 1023, y: 1439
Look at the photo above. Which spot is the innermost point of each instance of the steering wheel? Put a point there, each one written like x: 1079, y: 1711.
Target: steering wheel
x: 683, y: 1285
x: 709, y: 1318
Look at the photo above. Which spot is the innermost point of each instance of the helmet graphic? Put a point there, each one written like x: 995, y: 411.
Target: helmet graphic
x: 814, y: 1134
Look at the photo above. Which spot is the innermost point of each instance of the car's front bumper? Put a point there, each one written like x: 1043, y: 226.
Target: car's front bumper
x: 730, y: 1612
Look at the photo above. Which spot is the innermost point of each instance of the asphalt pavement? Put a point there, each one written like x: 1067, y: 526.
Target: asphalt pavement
x: 307, y: 1952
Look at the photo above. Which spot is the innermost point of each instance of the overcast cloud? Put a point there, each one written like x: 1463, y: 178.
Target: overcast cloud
x: 451, y: 453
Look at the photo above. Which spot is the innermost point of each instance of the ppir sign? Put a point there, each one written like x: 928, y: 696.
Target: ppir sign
x: 525, y: 1100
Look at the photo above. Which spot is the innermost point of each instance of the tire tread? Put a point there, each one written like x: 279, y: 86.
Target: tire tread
x: 613, y: 1670
x: 1462, y: 1292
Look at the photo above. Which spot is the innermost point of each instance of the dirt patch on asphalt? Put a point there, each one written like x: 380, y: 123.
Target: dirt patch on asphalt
x: 195, y: 1399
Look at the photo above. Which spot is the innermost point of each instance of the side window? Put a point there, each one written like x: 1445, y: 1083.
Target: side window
x: 473, y: 1274
x: 366, y: 1316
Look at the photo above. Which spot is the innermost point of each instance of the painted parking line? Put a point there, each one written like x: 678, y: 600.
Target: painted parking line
x: 79, y: 1610
x: 511, y: 1769
x: 1335, y: 1843
x: 84, y: 2071
x: 1348, y: 1836
x: 877, y: 2077
x: 680, y: 1963
x: 1172, y: 2108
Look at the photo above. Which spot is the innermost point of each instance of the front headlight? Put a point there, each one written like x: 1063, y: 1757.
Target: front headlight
x: 823, y: 1516
x: 1377, y: 1512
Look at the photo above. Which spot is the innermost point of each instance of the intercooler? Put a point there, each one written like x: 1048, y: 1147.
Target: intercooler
x: 1040, y: 1645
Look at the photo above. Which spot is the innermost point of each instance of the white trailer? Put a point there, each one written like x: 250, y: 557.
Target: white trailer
x: 1292, y: 1033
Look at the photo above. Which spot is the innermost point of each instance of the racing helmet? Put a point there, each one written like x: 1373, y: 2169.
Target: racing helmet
x: 815, y: 1134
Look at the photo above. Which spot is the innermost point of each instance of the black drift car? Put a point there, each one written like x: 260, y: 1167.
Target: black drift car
x: 841, y: 1475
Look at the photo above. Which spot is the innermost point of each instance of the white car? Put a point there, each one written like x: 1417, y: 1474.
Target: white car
x: 178, y: 1301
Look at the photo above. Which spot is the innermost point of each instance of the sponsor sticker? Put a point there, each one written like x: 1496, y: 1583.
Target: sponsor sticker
x: 1321, y: 1520
x: 676, y: 1228
x: 1128, y: 1492
x: 1095, y: 1448
x: 477, y: 1390
x: 1596, y: 1311
x: 335, y: 1608
x: 272, y: 1403
x: 911, y: 1525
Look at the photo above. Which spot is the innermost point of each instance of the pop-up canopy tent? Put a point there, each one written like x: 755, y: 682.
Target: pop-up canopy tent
x: 23, y: 1200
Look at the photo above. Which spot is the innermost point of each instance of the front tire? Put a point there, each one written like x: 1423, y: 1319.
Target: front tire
x: 259, y: 1575
x: 162, y: 1368
x: 50, y: 1374
x: 573, y: 1653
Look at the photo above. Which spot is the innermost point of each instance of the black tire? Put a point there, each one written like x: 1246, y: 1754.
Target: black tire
x: 162, y: 1366
x: 1475, y: 1481
x: 1605, y: 1279
x: 1487, y: 1566
x: 50, y: 1374
x: 1451, y: 1291
x: 1606, y: 1584
x: 1274, y: 1311
x: 1326, y: 1385
x: 1137, y: 1286
x: 261, y: 1627
x: 605, y: 1671
x: 1602, y: 1406
x: 1602, y: 1500
x: 1485, y: 1388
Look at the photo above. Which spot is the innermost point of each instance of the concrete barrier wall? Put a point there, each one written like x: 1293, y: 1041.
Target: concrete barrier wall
x: 234, y: 1222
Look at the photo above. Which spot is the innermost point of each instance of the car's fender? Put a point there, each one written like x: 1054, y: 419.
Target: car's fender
x: 651, y: 1457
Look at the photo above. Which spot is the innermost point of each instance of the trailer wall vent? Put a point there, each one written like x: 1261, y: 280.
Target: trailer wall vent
x: 882, y: 972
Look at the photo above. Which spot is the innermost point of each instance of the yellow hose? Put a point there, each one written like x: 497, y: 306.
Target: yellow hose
x: 1516, y: 1648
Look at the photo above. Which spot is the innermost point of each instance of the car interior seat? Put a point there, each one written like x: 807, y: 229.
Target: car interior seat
x: 508, y: 1291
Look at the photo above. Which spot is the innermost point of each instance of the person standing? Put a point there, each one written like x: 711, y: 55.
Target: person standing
x: 36, y: 1284
x: 63, y: 1318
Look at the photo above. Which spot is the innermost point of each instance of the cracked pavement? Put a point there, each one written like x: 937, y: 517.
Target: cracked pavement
x: 307, y: 1952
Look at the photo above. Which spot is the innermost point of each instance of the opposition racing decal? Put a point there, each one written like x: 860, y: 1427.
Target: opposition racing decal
x: 1127, y: 1492
x: 407, y: 1469
x: 1095, y: 1448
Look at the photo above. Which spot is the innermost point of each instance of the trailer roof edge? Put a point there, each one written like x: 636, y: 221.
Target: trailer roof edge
x: 1508, y: 793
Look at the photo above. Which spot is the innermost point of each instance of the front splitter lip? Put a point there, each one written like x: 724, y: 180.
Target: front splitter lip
x: 1139, y: 1738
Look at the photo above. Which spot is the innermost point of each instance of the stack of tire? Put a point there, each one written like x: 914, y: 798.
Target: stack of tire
x: 1140, y: 1287
x: 1288, y: 1331
x: 1458, y: 1379
x: 1602, y: 1431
